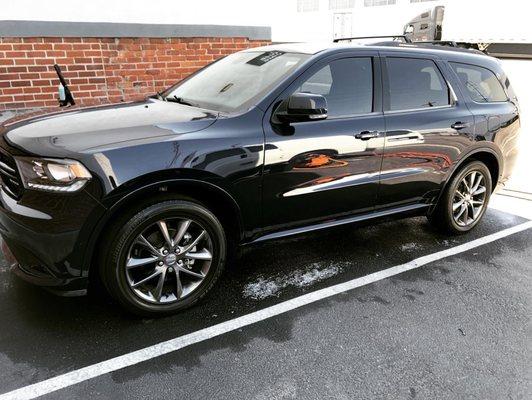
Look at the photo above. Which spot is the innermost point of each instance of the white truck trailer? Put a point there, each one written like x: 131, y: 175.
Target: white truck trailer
x: 479, y: 24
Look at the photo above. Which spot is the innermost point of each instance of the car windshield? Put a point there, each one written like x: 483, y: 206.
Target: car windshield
x: 236, y: 81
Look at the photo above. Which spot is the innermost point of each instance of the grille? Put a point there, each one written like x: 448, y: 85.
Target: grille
x: 10, y: 177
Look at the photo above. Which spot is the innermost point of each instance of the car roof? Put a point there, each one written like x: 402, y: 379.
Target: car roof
x: 444, y: 52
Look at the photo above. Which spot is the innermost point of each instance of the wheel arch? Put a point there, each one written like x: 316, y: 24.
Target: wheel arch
x: 488, y: 156
x: 212, y: 196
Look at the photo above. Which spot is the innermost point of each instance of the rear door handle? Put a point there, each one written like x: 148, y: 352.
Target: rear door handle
x: 459, y: 125
x: 366, y: 135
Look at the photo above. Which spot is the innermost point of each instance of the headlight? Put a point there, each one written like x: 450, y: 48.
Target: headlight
x: 52, y: 175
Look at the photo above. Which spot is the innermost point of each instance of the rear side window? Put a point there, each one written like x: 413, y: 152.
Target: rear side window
x: 346, y: 84
x: 415, y: 83
x: 481, y: 83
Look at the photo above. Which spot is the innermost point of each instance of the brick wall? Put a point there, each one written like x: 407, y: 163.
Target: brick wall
x: 102, y: 70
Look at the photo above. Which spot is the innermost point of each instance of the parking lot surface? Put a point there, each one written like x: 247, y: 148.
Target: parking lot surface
x: 458, y: 327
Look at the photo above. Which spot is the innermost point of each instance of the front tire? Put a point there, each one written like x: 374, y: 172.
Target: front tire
x: 465, y: 199
x: 164, y: 258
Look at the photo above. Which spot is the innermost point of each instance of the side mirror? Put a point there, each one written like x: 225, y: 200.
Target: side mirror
x: 301, y: 107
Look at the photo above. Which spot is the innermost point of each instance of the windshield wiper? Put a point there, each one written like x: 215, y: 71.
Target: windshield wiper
x: 180, y: 100
x: 158, y: 96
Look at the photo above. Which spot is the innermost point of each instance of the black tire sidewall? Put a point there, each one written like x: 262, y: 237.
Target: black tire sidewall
x: 115, y: 275
x: 449, y: 195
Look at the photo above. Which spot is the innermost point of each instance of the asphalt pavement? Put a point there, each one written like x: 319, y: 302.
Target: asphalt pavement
x: 455, y: 328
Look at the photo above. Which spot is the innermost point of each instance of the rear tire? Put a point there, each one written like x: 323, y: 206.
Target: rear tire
x: 465, y: 200
x: 164, y: 258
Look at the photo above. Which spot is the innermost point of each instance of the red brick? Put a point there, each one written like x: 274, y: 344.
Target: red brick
x: 17, y: 69
x: 55, y: 53
x: 10, y: 90
x: 23, y: 97
x: 80, y: 46
x: 62, y: 46
x: 15, y: 54
x: 42, y: 46
x: 75, y: 67
x: 64, y: 61
x: 72, y: 40
x: 44, y: 96
x: 44, y: 61
x: 82, y: 60
x: 52, y: 40
x: 20, y: 83
x: 93, y: 53
x: 29, y: 75
x: 35, y: 104
x: 34, y: 54
x: 32, y: 40
x: 8, y: 77
x: 39, y: 68
x: 93, y: 66
x: 46, y: 75
x: 24, y: 61
x: 86, y: 73
x: 32, y: 90
x: 27, y: 46
x: 41, y: 82
x: 49, y: 89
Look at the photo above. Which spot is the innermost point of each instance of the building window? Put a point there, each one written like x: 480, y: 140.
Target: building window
x: 339, y: 4
x: 308, y: 5
x: 373, y: 3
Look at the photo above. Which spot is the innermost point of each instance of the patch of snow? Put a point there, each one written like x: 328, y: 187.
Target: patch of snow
x: 267, y: 287
x: 410, y: 246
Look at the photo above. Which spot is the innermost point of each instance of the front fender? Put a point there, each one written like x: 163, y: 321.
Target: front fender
x: 122, y: 198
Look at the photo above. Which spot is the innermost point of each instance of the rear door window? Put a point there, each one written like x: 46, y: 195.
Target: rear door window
x: 481, y: 84
x: 415, y: 83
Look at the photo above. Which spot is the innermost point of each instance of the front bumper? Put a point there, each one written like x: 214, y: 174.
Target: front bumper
x: 44, y: 237
x: 36, y: 272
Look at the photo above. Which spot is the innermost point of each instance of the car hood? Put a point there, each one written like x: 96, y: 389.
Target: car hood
x: 92, y: 129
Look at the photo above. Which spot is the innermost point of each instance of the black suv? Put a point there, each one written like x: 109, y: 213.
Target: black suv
x: 150, y: 196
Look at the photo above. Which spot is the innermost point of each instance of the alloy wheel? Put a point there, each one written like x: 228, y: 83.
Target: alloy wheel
x: 169, y: 260
x: 469, y: 199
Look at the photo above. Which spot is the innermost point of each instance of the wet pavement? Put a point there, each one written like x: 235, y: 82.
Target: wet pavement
x: 455, y: 328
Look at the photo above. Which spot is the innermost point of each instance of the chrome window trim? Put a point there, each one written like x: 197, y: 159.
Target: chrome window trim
x: 420, y: 109
x: 341, y: 117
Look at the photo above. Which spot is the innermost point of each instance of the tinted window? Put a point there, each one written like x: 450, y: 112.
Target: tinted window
x: 347, y: 85
x: 415, y: 83
x: 481, y: 83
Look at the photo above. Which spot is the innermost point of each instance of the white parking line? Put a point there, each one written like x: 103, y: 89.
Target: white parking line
x: 157, y: 350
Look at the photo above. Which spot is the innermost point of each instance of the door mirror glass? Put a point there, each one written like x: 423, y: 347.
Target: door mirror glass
x: 301, y: 107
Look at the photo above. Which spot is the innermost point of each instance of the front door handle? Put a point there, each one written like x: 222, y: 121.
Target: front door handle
x: 366, y: 135
x: 459, y: 125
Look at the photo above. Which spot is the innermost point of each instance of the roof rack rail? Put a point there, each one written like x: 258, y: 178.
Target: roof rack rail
x: 403, y: 37
x: 449, y: 43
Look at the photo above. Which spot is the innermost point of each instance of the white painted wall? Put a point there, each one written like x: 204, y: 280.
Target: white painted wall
x: 478, y: 20
x: 228, y: 12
